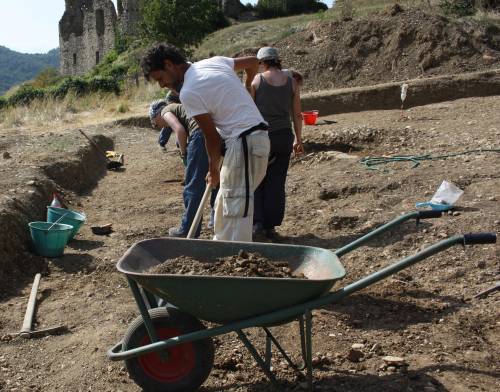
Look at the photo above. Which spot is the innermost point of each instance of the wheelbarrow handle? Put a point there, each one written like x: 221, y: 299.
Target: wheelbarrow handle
x: 480, y: 238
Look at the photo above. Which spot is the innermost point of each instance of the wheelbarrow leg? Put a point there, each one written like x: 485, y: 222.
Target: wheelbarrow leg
x: 143, y: 309
x: 308, y: 331
x: 273, y: 340
x: 257, y: 358
x: 269, y: 352
x: 303, y: 347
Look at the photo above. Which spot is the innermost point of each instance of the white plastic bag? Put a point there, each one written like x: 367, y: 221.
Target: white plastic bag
x: 447, y: 193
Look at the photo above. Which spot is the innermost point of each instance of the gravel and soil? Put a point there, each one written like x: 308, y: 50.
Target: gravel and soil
x: 446, y: 339
x: 243, y: 264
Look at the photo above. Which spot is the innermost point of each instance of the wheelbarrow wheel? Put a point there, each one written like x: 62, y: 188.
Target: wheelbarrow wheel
x: 187, y: 365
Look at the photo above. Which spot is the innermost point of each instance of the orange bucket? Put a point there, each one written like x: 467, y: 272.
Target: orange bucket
x: 310, y: 117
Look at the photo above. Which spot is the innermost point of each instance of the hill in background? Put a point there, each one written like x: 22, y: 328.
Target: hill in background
x: 18, y: 67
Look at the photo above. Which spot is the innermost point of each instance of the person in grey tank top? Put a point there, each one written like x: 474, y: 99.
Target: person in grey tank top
x: 277, y: 96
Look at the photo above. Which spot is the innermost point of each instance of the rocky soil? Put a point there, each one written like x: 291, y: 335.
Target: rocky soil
x: 419, y: 330
x: 243, y: 264
x: 392, y: 45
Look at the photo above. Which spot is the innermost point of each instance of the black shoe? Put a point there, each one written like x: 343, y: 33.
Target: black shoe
x: 271, y: 234
x: 176, y: 233
x: 258, y: 229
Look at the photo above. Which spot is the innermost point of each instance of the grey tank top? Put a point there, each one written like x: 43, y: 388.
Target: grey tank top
x: 275, y: 103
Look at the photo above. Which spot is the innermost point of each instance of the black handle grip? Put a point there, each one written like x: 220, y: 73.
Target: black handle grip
x: 429, y: 214
x: 480, y: 238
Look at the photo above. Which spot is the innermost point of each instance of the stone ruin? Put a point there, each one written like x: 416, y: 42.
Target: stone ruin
x: 87, y: 29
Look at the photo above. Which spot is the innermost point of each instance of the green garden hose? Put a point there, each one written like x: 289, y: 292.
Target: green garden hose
x: 371, y: 162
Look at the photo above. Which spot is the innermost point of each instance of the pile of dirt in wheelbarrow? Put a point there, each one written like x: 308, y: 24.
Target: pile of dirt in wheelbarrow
x: 243, y: 264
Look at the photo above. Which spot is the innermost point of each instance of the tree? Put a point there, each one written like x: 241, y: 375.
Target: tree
x: 182, y: 23
x: 276, y: 8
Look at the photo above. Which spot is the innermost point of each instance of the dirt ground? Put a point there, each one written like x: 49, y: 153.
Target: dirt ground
x: 395, y: 44
x: 425, y: 314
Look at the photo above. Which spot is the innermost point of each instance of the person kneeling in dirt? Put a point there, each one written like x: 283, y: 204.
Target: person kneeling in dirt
x: 213, y: 95
x: 193, y: 154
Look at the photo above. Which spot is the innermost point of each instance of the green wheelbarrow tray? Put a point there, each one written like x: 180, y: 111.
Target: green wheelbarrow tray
x: 223, y: 299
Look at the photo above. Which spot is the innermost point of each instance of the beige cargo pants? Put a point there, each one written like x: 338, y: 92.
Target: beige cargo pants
x: 230, y: 225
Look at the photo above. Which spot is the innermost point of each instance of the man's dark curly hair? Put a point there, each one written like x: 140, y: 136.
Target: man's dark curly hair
x: 155, y: 57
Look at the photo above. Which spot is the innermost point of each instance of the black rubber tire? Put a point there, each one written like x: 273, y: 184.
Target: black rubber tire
x: 198, y: 356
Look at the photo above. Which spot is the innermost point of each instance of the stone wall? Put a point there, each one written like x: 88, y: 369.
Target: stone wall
x: 87, y: 29
x: 86, y: 34
x: 128, y: 16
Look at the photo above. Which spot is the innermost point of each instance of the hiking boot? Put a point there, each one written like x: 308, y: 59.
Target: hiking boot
x: 271, y: 234
x: 176, y: 233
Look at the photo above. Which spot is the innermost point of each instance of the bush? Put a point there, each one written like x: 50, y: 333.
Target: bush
x: 103, y: 84
x: 458, y: 7
x: 47, y: 77
x: 78, y: 86
x: 25, y: 95
x: 277, y: 8
x: 3, y: 102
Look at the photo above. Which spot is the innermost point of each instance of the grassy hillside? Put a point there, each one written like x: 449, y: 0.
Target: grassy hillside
x: 234, y: 39
x: 18, y: 67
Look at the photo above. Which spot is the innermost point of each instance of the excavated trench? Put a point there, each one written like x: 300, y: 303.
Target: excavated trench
x: 74, y: 171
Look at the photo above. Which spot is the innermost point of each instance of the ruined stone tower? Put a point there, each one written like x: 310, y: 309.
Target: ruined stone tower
x: 128, y: 16
x: 86, y: 34
x: 87, y: 31
x: 88, y: 28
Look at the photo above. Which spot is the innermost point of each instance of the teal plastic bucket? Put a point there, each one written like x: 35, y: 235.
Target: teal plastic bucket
x: 72, y: 218
x: 50, y: 243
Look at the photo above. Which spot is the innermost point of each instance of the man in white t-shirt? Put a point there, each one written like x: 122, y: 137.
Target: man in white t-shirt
x: 213, y: 95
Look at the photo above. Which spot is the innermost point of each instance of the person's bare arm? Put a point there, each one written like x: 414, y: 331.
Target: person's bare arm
x: 298, y: 148
x: 255, y: 86
x: 248, y: 64
x: 179, y: 130
x: 213, y: 143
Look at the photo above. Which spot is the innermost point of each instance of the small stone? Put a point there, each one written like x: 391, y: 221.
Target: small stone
x: 32, y: 182
x: 6, y: 155
x: 481, y: 264
x: 376, y: 348
x: 391, y: 369
x: 456, y: 213
x: 354, y: 355
x: 358, y: 346
x: 492, y: 198
x: 394, y: 361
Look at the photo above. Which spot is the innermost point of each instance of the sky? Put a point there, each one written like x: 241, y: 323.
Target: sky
x: 31, y: 26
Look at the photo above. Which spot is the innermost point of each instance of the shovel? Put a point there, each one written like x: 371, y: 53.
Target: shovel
x: 199, y: 213
x: 110, y: 165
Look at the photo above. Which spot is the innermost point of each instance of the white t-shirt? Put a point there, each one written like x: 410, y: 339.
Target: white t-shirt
x: 211, y: 86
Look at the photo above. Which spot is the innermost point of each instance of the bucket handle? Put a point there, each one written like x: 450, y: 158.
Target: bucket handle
x: 57, y: 221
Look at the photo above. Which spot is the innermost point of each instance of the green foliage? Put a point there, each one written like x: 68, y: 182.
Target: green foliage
x: 345, y: 8
x: 180, y: 23
x: 277, y: 8
x: 121, y: 41
x: 24, y: 95
x: 458, y: 7
x: 18, y: 67
x: 45, y: 78
x: 122, y: 108
x: 3, y: 102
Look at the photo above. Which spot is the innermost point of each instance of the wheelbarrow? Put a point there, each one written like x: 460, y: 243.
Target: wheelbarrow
x: 167, y: 348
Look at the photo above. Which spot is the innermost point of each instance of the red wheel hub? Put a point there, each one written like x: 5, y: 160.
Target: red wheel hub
x: 180, y: 362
